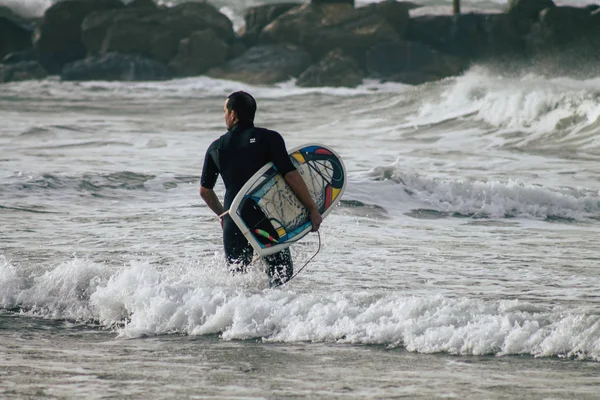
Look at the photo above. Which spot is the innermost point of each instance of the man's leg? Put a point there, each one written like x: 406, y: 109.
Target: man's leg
x: 280, y: 267
x: 238, y: 251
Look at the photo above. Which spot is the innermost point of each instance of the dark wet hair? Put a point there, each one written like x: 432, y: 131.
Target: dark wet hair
x: 243, y: 104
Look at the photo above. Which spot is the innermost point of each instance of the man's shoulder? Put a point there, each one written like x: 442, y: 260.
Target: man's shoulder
x: 267, y: 133
x: 215, y: 144
x: 265, y: 130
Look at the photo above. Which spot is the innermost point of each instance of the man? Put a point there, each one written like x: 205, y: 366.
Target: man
x: 236, y: 156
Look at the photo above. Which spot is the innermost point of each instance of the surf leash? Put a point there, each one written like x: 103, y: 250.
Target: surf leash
x: 305, y: 264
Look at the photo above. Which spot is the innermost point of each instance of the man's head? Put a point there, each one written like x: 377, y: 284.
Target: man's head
x: 240, y: 107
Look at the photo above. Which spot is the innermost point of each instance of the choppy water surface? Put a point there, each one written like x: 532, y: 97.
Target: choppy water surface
x: 463, y: 261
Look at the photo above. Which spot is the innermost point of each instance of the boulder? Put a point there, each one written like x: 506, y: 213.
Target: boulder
x: 154, y: 33
x: 593, y: 7
x: 265, y: 64
x: 412, y: 63
x: 525, y: 12
x: 565, y: 26
x: 334, y: 70
x: 236, y: 49
x: 191, y: 17
x: 115, y: 67
x: 142, y: 4
x: 529, y: 9
x: 468, y: 39
x: 350, y: 2
x: 19, y: 56
x: 322, y: 28
x: 22, y: 71
x: 461, y: 35
x: 198, y: 53
x: 432, y: 30
x: 58, y: 36
x: 566, y: 38
x: 504, y: 42
x: 14, y: 36
x: 96, y: 24
x: 394, y: 12
x: 257, y: 18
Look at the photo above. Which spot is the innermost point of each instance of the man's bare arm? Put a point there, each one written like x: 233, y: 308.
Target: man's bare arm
x: 212, y: 201
x: 298, y: 186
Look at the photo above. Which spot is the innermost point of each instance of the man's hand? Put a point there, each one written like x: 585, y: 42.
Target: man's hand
x: 315, y: 219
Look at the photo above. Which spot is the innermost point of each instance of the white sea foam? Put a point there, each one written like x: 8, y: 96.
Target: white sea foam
x: 533, y: 104
x: 11, y: 284
x: 496, y: 199
x: 63, y: 292
x: 146, y: 301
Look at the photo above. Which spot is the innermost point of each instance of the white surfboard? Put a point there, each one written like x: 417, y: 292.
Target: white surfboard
x: 267, y: 211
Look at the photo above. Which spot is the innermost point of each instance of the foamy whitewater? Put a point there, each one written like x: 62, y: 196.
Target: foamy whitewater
x: 462, y: 262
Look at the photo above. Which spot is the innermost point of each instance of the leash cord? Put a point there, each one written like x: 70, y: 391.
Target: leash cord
x: 305, y: 264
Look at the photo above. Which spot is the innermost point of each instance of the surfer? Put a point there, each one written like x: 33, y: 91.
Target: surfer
x: 237, y: 156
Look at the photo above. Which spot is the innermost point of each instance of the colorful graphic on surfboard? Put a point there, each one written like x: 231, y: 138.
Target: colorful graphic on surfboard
x: 267, y: 211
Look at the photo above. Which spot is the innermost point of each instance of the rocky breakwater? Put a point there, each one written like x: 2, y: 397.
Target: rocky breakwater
x: 321, y: 43
x: 16, y: 48
x: 106, y: 40
x: 382, y: 40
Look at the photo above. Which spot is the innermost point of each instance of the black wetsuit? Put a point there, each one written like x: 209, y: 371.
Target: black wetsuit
x: 237, y: 155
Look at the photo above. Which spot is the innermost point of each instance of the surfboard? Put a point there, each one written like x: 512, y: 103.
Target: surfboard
x: 268, y: 212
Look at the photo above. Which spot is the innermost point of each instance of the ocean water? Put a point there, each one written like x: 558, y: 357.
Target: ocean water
x: 462, y: 263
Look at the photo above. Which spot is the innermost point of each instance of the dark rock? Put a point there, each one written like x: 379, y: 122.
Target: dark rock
x: 22, y: 71
x: 96, y: 24
x: 350, y: 2
x: 334, y: 70
x: 322, y: 28
x: 566, y: 38
x: 504, y: 42
x: 433, y: 30
x: 257, y: 18
x: 559, y: 26
x: 20, y: 56
x: 265, y: 64
x: 470, y: 36
x: 411, y: 63
x: 201, y: 51
x: 236, y: 49
x: 191, y: 17
x: 394, y: 12
x: 144, y: 37
x: 593, y: 7
x: 115, y: 67
x: 529, y: 9
x: 154, y: 33
x: 525, y: 12
x: 14, y: 36
x: 58, y: 36
x: 142, y: 4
